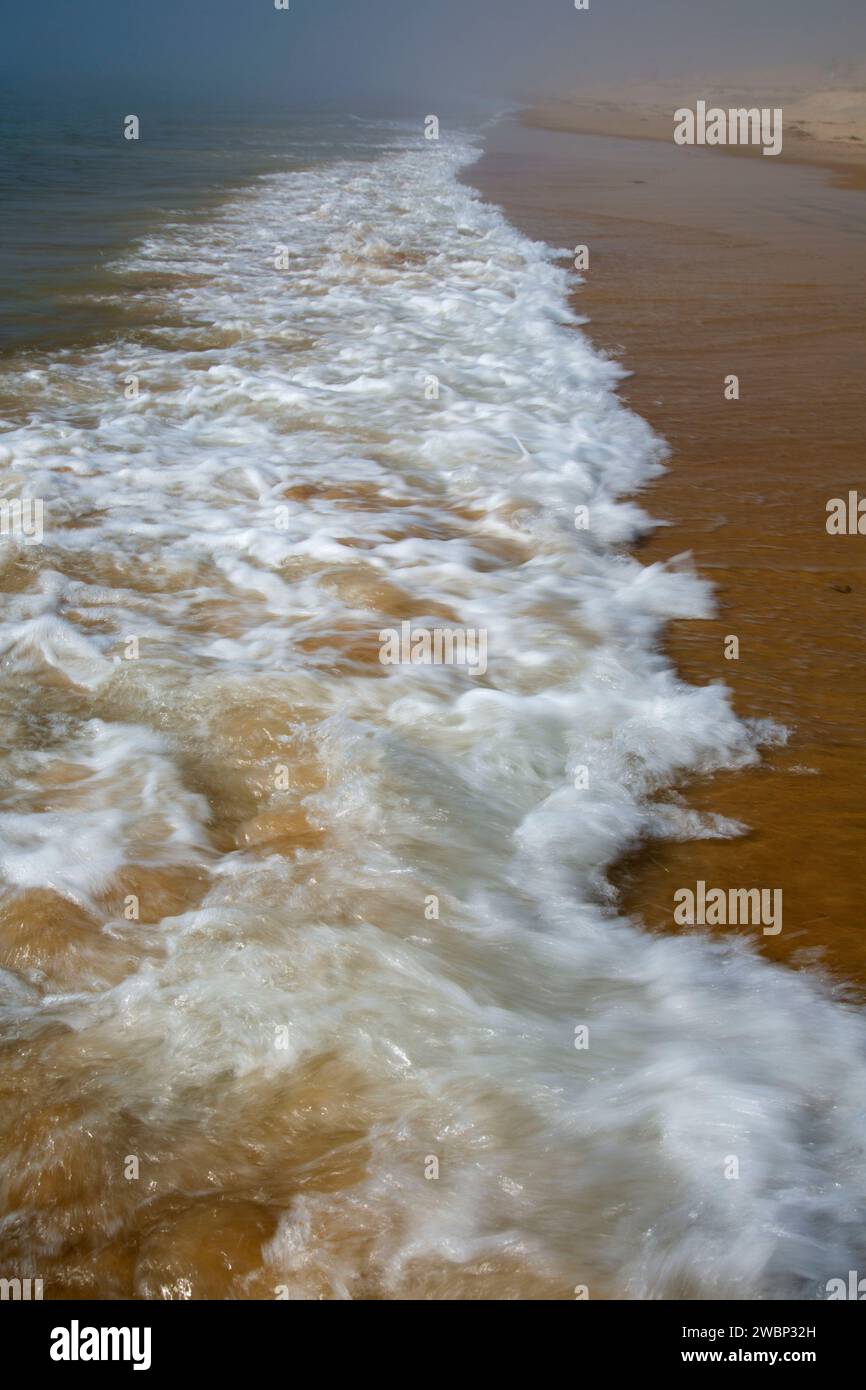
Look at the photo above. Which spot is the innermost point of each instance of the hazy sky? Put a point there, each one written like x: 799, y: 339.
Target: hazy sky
x: 390, y: 50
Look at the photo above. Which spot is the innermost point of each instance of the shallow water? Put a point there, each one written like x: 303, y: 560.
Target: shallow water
x: 702, y: 265
x: 295, y: 944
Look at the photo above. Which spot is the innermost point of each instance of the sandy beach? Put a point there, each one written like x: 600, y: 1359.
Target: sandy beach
x: 701, y: 267
x: 823, y: 114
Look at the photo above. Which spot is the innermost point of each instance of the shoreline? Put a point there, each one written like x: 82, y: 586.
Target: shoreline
x: 822, y: 125
x: 287, y: 903
x: 696, y: 269
x: 848, y: 172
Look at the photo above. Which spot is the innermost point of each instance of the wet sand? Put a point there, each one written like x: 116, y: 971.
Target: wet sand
x: 701, y: 267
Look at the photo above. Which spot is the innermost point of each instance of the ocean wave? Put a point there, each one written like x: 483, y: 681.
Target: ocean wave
x: 367, y: 402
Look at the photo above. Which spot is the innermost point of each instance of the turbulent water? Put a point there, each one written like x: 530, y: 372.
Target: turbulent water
x: 297, y: 947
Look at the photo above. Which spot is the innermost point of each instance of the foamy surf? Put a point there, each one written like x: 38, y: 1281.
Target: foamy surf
x: 296, y: 944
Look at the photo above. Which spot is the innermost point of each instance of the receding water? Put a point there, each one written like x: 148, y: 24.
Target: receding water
x: 298, y: 947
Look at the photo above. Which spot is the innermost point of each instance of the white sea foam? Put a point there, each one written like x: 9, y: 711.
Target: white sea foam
x: 305, y: 390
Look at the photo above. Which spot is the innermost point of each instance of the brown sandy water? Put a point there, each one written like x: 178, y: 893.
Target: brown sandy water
x: 702, y: 266
x: 235, y: 1035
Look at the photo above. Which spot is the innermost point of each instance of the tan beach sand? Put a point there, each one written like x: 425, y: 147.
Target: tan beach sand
x: 824, y: 114
x: 699, y: 268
